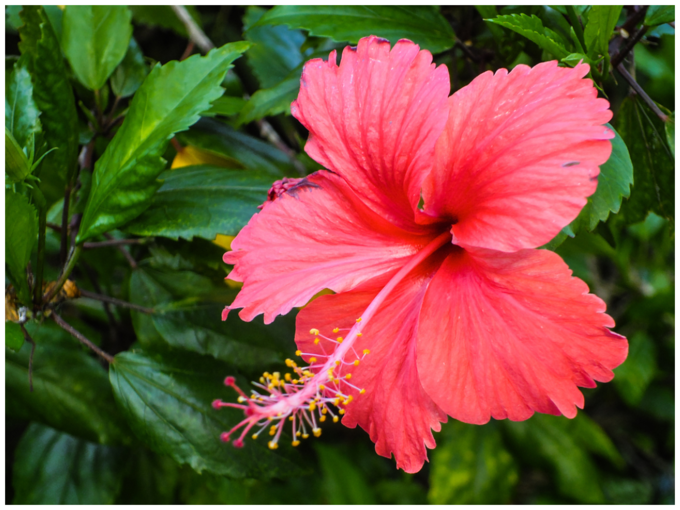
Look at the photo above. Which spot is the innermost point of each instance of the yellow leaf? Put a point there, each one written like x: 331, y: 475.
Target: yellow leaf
x: 189, y: 156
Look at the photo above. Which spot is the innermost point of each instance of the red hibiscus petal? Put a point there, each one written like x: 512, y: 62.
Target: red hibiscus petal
x: 395, y: 410
x: 505, y: 334
x: 519, y: 156
x: 317, y: 235
x: 375, y: 120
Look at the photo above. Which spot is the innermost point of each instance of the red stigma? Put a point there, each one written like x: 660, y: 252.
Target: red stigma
x: 238, y: 443
x: 224, y: 436
x: 217, y: 404
x: 230, y: 381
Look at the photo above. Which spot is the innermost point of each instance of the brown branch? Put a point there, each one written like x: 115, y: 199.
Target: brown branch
x: 636, y: 87
x: 634, y: 19
x: 618, y: 58
x: 195, y: 33
x: 188, y: 50
x: 30, y: 359
x: 113, y: 242
x: 80, y: 337
x: 126, y: 254
x: 54, y: 226
x: 114, y: 301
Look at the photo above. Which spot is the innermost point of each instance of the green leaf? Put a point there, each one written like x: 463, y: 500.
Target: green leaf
x: 670, y: 132
x: 532, y: 28
x: 130, y: 73
x: 151, y: 480
x: 471, y: 466
x: 225, y: 105
x: 202, y: 201
x: 275, y: 51
x: 349, y: 23
x: 71, y: 391
x: 653, y: 162
x: 17, y: 166
x: 95, y: 39
x: 21, y: 233
x: 21, y: 112
x: 659, y: 14
x: 249, y: 152
x: 170, y: 100
x: 574, y: 59
x: 613, y: 183
x: 195, y: 326
x: 487, y: 12
x: 53, y: 468
x: 599, y: 29
x: 634, y: 376
x: 343, y: 482
x: 52, y: 93
x: 14, y: 337
x: 269, y: 102
x: 564, y: 445
x: 167, y: 400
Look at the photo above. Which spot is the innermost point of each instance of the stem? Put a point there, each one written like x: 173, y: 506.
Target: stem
x: 30, y: 359
x: 64, y: 275
x: 618, y: 58
x: 126, y: 254
x: 188, y: 50
x: 635, y: 18
x: 39, y: 200
x: 195, y: 33
x: 114, y: 301
x: 636, y: 87
x: 64, y: 325
x: 576, y: 23
x: 113, y: 242
x: 63, y: 247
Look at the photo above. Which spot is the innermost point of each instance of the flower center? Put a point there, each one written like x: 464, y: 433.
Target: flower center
x: 305, y: 399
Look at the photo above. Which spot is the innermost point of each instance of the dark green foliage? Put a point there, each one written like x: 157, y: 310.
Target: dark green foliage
x: 41, y: 475
x: 178, y: 147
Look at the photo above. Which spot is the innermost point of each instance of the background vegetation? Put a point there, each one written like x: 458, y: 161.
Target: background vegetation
x: 159, y: 162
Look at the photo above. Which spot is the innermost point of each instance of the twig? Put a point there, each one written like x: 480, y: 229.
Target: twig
x: 126, y: 254
x: 195, y: 33
x: 270, y: 134
x: 54, y: 226
x: 30, y: 358
x: 635, y: 18
x: 636, y: 87
x: 93, y: 278
x: 64, y: 275
x: 113, y: 242
x: 114, y: 301
x: 63, y: 247
x: 188, y: 50
x: 468, y: 52
x: 64, y: 325
x: 618, y: 58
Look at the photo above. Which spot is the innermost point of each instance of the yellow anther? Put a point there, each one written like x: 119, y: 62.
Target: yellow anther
x: 288, y: 378
x: 305, y: 436
x: 295, y: 443
x: 336, y: 330
x: 262, y: 380
x: 312, y: 360
x: 324, y: 411
x: 316, y: 341
x: 337, y: 401
x: 277, y: 375
x: 312, y: 406
x: 270, y: 418
x: 349, y: 399
x: 335, y: 419
x: 322, y: 387
x: 341, y: 411
x: 348, y: 376
x: 330, y: 373
x: 308, y: 373
x: 298, y: 353
x: 295, y: 381
x: 339, y: 339
x: 359, y: 319
x: 337, y: 362
x: 254, y: 436
x: 314, y: 331
x: 359, y: 334
x: 291, y: 418
x: 323, y: 418
x: 316, y: 432
x: 272, y: 445
x: 272, y: 432
x: 356, y: 363
x: 366, y: 351
x: 241, y: 399
x: 362, y: 392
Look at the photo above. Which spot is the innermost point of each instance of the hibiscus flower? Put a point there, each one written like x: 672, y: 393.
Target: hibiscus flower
x: 425, y: 224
